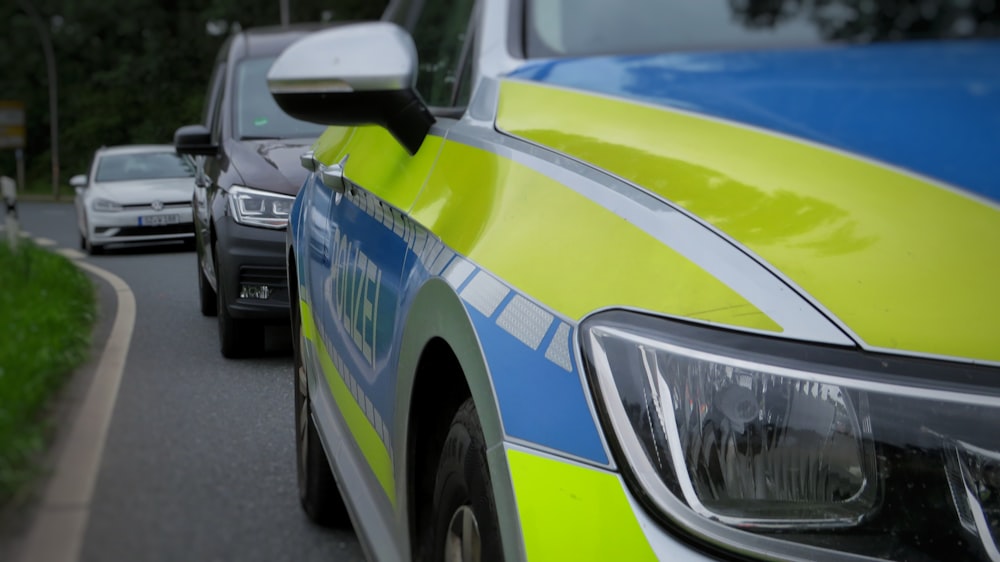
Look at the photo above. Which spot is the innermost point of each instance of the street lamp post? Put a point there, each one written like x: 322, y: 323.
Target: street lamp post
x: 50, y: 64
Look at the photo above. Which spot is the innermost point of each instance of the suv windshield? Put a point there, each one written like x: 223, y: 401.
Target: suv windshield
x: 257, y: 114
x: 142, y: 166
x: 586, y: 27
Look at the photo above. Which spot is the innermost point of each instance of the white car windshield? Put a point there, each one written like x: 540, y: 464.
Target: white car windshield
x: 142, y: 166
x: 588, y: 27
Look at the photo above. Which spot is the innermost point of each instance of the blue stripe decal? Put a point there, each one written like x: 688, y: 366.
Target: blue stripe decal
x: 359, y: 247
x: 930, y: 107
x: 539, y: 401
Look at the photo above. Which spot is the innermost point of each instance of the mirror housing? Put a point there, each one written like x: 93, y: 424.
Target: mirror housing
x: 359, y: 74
x: 78, y: 181
x: 194, y: 140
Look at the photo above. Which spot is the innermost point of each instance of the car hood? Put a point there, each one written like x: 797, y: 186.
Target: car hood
x: 864, y: 176
x: 139, y: 192
x: 271, y: 164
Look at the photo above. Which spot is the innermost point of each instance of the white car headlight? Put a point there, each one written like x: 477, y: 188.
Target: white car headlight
x: 253, y: 207
x: 788, y: 450
x: 105, y: 205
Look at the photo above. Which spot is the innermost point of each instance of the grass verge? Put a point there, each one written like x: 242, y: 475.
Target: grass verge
x: 47, y: 311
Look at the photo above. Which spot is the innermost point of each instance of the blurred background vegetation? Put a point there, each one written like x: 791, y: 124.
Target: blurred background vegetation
x: 128, y: 71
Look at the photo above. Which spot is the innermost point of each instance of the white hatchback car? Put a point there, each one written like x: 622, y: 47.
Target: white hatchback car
x: 134, y: 193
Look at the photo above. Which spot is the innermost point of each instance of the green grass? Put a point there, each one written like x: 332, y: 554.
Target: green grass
x: 47, y: 310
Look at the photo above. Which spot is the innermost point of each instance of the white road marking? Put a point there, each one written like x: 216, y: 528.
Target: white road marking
x: 56, y: 535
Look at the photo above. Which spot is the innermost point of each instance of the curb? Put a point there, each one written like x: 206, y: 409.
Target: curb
x: 59, y: 524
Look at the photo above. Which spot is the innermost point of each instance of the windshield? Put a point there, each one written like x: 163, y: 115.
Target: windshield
x: 586, y: 27
x: 142, y: 166
x: 257, y: 114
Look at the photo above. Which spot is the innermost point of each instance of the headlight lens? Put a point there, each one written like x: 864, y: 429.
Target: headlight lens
x: 760, y: 449
x: 788, y: 450
x: 105, y: 205
x: 253, y: 207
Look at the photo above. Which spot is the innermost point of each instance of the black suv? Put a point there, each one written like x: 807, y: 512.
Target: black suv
x: 248, y: 172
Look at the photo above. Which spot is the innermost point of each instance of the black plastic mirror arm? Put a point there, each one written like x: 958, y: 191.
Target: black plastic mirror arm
x: 402, y: 112
x: 410, y: 125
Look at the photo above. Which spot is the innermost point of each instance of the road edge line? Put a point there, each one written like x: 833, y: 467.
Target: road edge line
x: 57, y: 533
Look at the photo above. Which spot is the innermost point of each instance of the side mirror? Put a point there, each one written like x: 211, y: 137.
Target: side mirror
x: 359, y: 74
x: 194, y: 140
x: 78, y: 181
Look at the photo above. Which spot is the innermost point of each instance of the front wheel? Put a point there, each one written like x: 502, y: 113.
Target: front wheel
x: 206, y: 295
x: 91, y: 248
x: 464, y: 525
x: 237, y: 337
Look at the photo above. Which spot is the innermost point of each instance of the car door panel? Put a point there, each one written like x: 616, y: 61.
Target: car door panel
x: 356, y: 279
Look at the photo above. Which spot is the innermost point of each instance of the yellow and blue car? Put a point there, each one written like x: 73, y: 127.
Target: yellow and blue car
x: 633, y: 280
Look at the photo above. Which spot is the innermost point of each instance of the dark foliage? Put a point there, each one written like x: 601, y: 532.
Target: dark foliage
x: 129, y: 71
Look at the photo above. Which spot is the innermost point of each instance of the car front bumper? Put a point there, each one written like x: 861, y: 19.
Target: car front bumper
x: 135, y: 225
x: 251, y: 268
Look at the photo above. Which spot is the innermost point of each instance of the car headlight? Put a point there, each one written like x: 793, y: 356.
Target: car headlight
x: 789, y: 450
x: 253, y: 207
x: 105, y: 205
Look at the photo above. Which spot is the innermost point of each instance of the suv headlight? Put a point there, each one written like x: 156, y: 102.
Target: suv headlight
x: 105, y: 205
x: 253, y: 207
x: 789, y: 450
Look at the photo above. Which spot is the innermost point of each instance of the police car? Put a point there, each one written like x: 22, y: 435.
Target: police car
x: 590, y: 280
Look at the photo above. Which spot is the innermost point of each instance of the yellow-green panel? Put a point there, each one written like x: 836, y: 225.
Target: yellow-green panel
x: 561, y: 247
x: 364, y: 434
x: 906, y: 264
x: 569, y: 512
x: 308, y: 322
x: 329, y: 147
x: 377, y: 162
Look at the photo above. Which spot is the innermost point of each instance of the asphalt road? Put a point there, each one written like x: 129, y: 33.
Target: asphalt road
x: 199, y: 461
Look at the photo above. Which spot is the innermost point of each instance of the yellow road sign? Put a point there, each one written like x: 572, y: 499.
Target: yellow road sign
x: 11, y: 124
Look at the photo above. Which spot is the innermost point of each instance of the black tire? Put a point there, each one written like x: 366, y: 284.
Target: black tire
x: 462, y: 489
x: 237, y: 337
x: 83, y: 242
x: 318, y: 493
x: 91, y: 248
x: 206, y: 294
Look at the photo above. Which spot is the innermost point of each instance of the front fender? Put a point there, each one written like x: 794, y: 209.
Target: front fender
x: 437, y: 312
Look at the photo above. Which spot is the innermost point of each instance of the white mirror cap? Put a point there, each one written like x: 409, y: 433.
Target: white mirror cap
x: 78, y: 180
x: 371, y: 56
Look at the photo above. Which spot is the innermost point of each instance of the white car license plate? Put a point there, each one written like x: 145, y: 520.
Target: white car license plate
x: 157, y: 220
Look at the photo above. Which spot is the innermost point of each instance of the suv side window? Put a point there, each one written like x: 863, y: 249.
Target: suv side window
x: 439, y: 34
